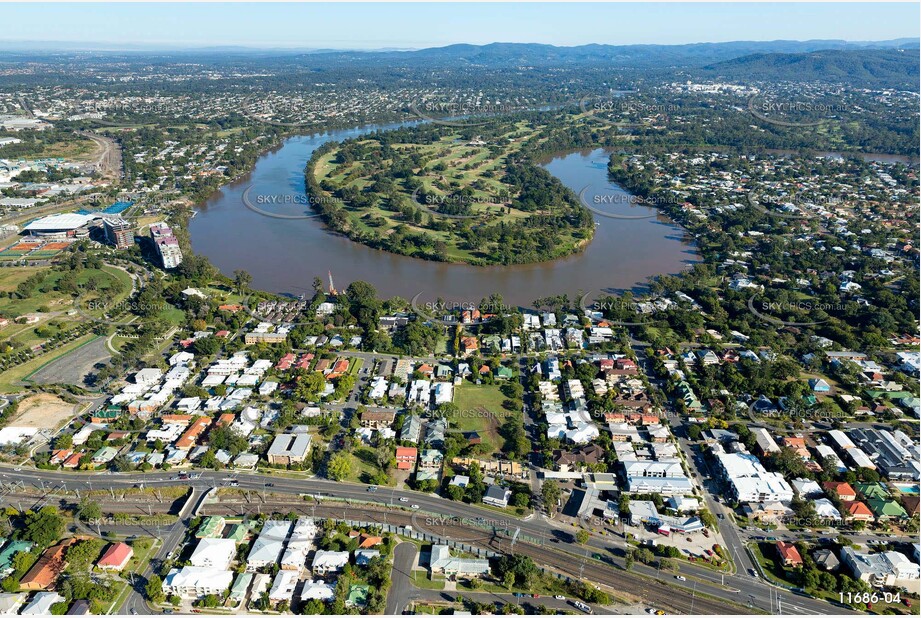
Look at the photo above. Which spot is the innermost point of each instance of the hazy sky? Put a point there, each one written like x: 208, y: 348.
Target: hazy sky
x: 347, y: 25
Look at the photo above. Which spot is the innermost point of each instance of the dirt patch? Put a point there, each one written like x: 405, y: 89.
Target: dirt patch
x: 43, y: 411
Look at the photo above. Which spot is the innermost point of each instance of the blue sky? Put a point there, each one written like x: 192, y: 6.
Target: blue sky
x: 347, y: 25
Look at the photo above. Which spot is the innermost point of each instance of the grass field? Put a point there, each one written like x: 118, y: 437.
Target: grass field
x: 78, y: 150
x: 481, y: 411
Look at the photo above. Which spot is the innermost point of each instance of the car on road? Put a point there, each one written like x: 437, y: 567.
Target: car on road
x: 752, y: 573
x: 415, y: 506
x: 134, y: 612
x: 372, y: 489
x: 17, y: 469
x: 681, y: 578
x: 404, y: 499
x: 559, y: 597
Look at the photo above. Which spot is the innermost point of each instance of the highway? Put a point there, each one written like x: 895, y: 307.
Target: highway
x: 437, y: 515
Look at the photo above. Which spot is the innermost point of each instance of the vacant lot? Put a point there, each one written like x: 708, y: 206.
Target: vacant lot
x: 480, y: 411
x: 42, y: 412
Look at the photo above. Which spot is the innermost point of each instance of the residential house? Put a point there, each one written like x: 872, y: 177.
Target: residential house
x: 497, y: 496
x: 325, y: 562
x: 193, y: 582
x: 214, y: 553
x: 45, y: 572
x: 406, y: 457
x: 115, y: 557
x: 789, y: 555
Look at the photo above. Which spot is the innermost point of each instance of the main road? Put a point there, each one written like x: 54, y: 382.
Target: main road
x: 434, y: 514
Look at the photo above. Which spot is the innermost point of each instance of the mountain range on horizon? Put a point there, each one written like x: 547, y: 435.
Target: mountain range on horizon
x: 467, y: 50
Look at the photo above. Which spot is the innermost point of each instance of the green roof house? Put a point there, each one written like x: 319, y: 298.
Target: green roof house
x: 240, y: 586
x: 886, y: 509
x: 872, y: 490
x: 358, y: 595
x: 211, y: 527
x: 6, y: 556
x: 238, y: 532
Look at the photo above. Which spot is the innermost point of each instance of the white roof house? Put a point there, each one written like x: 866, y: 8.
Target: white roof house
x: 441, y: 561
x: 826, y: 510
x: 329, y: 561
x: 214, y: 553
x: 41, y: 603
x: 283, y: 586
x: 148, y: 376
x: 315, y: 589
x: 192, y: 581
x: 807, y: 488
x: 268, y: 545
x: 11, y: 602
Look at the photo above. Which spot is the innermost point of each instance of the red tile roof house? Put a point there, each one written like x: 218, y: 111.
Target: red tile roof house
x: 844, y: 490
x: 789, y: 554
x: 858, y: 511
x: 45, y: 572
x: 406, y: 457
x: 116, y: 557
x: 188, y: 439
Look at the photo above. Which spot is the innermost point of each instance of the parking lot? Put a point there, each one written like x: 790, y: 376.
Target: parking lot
x: 695, y: 544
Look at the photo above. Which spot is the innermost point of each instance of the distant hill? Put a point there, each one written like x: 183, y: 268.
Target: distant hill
x: 871, y: 68
x: 507, y: 55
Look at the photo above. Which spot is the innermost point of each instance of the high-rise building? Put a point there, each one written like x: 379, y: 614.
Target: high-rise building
x: 166, y: 244
x: 119, y: 232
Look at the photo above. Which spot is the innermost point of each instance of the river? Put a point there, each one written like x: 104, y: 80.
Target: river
x: 284, y: 255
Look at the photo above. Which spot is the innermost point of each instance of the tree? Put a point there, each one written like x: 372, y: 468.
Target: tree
x: 154, y: 589
x: 241, y: 280
x: 43, y: 527
x: 508, y: 580
x: 89, y: 510
x: 707, y: 518
x: 339, y: 466
x: 550, y: 492
x: 582, y: 537
x: 629, y: 560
